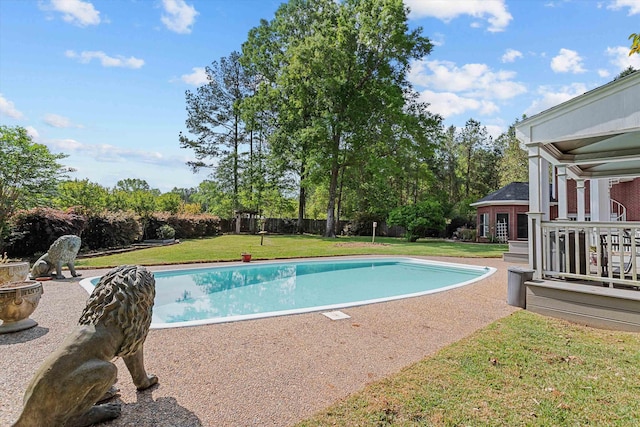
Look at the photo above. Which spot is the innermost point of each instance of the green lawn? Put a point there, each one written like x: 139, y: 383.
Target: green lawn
x: 525, y: 369
x: 229, y: 248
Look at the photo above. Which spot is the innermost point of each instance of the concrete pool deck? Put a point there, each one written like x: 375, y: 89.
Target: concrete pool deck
x: 264, y: 372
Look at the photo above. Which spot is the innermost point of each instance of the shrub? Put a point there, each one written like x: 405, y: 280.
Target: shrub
x: 467, y: 234
x: 457, y: 223
x: 166, y: 232
x: 419, y: 219
x: 34, y: 230
x: 190, y: 226
x: 186, y: 226
x: 111, y: 230
x: 362, y: 224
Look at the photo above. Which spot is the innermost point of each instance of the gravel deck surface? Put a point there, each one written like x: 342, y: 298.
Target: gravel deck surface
x: 266, y: 372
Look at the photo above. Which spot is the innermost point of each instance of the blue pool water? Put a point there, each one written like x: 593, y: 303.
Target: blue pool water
x: 263, y: 289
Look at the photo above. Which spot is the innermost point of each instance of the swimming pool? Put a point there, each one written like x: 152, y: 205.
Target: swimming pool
x: 199, y: 296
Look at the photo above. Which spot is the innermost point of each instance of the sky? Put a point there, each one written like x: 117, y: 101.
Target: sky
x: 104, y: 81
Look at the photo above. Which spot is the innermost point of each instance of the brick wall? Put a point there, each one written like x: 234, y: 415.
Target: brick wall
x: 628, y: 193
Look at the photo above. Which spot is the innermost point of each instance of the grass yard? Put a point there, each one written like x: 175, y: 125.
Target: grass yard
x: 525, y: 369
x: 229, y: 248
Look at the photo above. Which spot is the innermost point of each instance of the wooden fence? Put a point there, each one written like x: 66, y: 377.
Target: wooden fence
x: 311, y: 226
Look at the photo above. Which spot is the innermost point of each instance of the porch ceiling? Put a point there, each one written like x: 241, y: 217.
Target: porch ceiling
x: 596, y: 135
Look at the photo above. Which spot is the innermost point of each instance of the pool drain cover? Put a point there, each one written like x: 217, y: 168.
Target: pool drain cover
x: 336, y: 315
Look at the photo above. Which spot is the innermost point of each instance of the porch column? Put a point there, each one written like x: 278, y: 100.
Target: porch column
x: 563, y: 205
x: 554, y: 184
x: 535, y: 215
x: 535, y: 243
x: 545, y: 189
x: 534, y: 179
x: 600, y: 202
x: 580, y: 200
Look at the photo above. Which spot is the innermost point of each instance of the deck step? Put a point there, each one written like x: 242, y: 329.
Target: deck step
x: 515, y: 257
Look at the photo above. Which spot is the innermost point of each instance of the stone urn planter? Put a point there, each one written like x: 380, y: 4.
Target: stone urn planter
x: 19, y: 297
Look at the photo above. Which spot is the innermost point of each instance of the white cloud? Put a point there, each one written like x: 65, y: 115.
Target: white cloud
x: 633, y: 5
x: 179, y: 16
x: 113, y: 154
x: 107, y: 61
x: 473, y: 80
x: 66, y: 145
x: 76, y: 12
x: 510, y: 55
x: 603, y: 73
x: 567, y: 61
x: 620, y: 58
x: 33, y: 133
x: 494, y: 11
x: 437, y: 39
x: 494, y: 131
x: 449, y: 104
x: 8, y: 109
x: 197, y: 78
x: 550, y: 97
x: 453, y: 90
x: 57, y: 121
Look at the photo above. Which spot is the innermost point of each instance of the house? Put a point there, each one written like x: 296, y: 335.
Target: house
x: 509, y: 206
x: 588, y: 269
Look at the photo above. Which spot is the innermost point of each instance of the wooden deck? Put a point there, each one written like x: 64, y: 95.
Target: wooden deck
x: 587, y: 304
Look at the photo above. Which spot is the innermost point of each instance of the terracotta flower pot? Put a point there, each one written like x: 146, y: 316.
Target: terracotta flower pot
x: 246, y: 257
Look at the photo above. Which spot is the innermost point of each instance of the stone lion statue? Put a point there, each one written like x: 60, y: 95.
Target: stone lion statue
x: 61, y: 252
x: 70, y: 386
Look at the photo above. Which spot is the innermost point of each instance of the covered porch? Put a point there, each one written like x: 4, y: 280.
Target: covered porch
x: 587, y: 269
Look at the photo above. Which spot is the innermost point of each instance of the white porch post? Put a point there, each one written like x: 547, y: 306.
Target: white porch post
x: 554, y: 185
x: 545, y: 189
x: 600, y: 202
x: 535, y: 215
x: 580, y: 200
x: 563, y: 205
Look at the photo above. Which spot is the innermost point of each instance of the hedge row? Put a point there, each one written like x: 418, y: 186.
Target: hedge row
x: 34, y: 230
x: 111, y: 230
x: 187, y: 226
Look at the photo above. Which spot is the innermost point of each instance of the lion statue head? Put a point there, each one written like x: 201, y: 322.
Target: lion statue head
x: 123, y: 298
x: 64, y: 249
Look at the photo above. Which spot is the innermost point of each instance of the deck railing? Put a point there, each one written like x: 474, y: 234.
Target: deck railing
x: 605, y: 253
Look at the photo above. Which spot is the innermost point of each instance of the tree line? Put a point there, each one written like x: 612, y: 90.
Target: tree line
x: 317, y: 108
x: 314, y: 117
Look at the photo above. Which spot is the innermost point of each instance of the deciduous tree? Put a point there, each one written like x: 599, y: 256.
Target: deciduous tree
x: 514, y: 166
x: 29, y: 173
x: 84, y: 195
x: 333, y: 69
x: 635, y: 43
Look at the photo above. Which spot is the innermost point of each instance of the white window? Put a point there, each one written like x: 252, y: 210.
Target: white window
x: 483, y: 227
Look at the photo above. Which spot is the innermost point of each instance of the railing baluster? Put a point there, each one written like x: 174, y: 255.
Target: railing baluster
x: 615, y: 245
